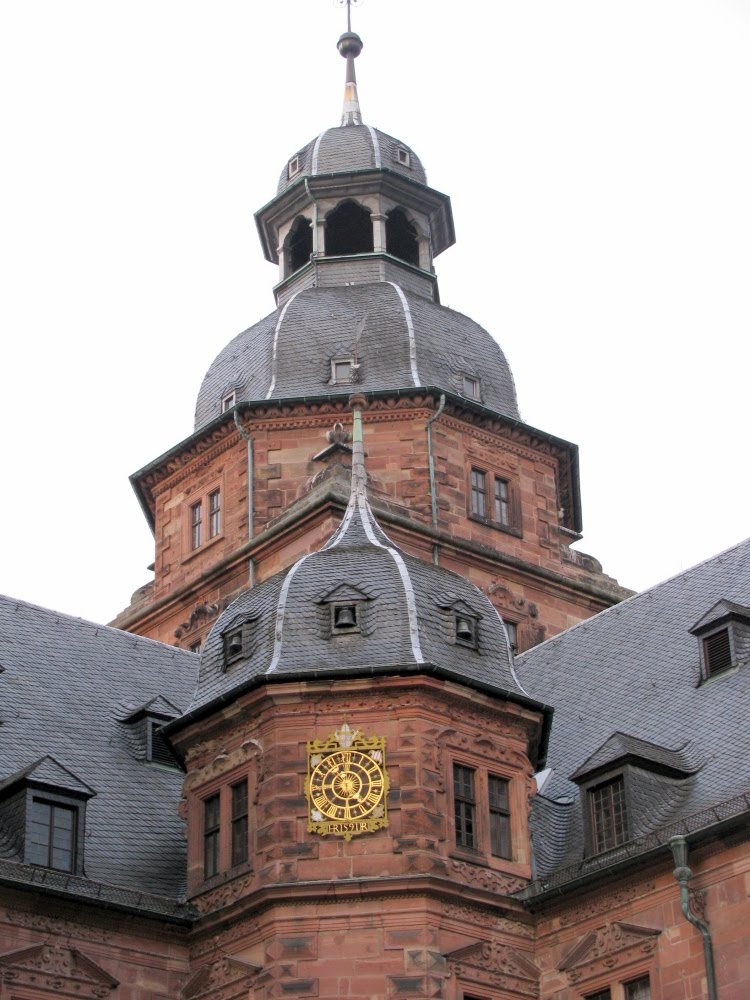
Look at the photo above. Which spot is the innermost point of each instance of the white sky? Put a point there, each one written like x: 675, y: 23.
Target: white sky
x: 597, y: 154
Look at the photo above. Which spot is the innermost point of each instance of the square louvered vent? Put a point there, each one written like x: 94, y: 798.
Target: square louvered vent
x: 717, y: 650
x: 160, y: 751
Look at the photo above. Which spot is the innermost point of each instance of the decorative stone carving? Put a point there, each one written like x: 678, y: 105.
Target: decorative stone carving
x: 201, y: 614
x: 224, y: 979
x: 493, y: 964
x: 215, y: 899
x: 613, y: 945
x: 65, y: 970
x: 487, y: 878
x: 56, y: 925
x: 486, y: 918
x: 605, y: 904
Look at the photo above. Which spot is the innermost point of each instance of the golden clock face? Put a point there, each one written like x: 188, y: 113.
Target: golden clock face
x: 346, y: 785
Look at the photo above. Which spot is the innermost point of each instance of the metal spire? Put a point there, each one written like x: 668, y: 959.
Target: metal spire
x: 350, y: 46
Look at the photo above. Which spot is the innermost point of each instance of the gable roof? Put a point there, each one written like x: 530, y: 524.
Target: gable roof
x: 62, y: 691
x: 636, y: 667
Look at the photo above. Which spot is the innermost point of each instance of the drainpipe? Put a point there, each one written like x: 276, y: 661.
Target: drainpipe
x: 433, y: 488
x: 682, y: 876
x: 250, y: 518
x: 311, y: 196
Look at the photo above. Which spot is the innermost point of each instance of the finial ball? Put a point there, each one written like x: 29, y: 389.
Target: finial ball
x: 349, y: 44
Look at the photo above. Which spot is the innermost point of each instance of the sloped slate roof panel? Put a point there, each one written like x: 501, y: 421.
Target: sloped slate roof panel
x: 636, y: 668
x: 319, y: 324
x: 65, y: 681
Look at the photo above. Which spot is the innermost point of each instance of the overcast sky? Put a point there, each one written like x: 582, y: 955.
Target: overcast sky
x: 597, y: 154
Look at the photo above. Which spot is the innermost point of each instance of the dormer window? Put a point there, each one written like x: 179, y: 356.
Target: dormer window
x: 344, y: 618
x: 293, y: 167
x: 228, y: 401
x: 342, y: 371
x: 43, y: 809
x: 158, y: 749
x: 717, y: 652
x: 609, y: 820
x: 466, y: 629
x: 234, y: 646
x: 53, y: 832
x: 403, y: 157
x: 724, y: 637
x: 471, y: 387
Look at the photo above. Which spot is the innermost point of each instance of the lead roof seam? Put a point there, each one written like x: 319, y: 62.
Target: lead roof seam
x: 403, y: 572
x: 275, y: 344
x: 316, y: 150
x: 375, y: 146
x: 410, y: 328
x: 280, y: 609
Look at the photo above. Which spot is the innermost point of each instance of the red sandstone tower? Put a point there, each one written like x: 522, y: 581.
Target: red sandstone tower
x: 455, y: 476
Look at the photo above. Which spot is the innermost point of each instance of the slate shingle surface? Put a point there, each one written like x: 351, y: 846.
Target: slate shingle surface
x: 290, y: 621
x: 321, y: 323
x: 635, y: 668
x: 352, y: 147
x: 64, y: 688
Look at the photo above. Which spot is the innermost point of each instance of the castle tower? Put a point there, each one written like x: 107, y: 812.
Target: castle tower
x: 455, y: 476
x: 360, y: 759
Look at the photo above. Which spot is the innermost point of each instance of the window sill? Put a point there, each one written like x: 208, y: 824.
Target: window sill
x: 507, y: 529
x: 202, y: 548
x: 489, y: 861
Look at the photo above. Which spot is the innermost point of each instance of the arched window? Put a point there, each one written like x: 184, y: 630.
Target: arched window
x: 299, y: 244
x: 401, y: 237
x: 348, y: 230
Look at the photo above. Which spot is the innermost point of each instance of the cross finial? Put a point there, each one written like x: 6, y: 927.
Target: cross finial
x: 348, y: 4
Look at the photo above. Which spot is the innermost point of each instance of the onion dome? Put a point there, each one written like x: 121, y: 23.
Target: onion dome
x: 375, y: 336
x: 358, y: 606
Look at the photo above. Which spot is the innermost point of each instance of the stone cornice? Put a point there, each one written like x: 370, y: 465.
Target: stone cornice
x: 382, y: 404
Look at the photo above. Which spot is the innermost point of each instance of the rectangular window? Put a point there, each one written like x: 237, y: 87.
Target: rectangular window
x: 499, y: 817
x: 53, y: 835
x: 239, y: 823
x: 512, y: 629
x: 638, y: 989
x: 214, y: 513
x: 502, y: 501
x: 211, y: 836
x: 478, y: 492
x: 196, y: 525
x: 608, y: 815
x: 717, y: 652
x: 464, y: 800
x: 228, y: 402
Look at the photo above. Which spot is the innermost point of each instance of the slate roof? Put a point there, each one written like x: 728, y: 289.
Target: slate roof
x: 403, y: 343
x: 635, y: 669
x: 351, y: 147
x: 65, y: 684
x: 407, y: 618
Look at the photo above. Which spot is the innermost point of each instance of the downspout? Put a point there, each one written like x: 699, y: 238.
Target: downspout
x: 433, y: 488
x: 682, y: 876
x: 250, y: 517
x: 311, y: 196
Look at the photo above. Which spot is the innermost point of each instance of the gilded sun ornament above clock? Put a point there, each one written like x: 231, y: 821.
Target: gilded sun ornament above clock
x: 346, y: 784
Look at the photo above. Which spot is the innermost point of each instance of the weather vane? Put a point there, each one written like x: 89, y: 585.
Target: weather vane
x: 348, y: 4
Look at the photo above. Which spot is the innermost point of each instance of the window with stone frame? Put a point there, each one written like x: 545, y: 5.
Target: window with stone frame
x: 221, y: 819
x: 632, y: 989
x: 211, y: 835
x: 493, y: 498
x: 608, y: 812
x: 53, y: 835
x: 481, y: 811
x: 204, y: 519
